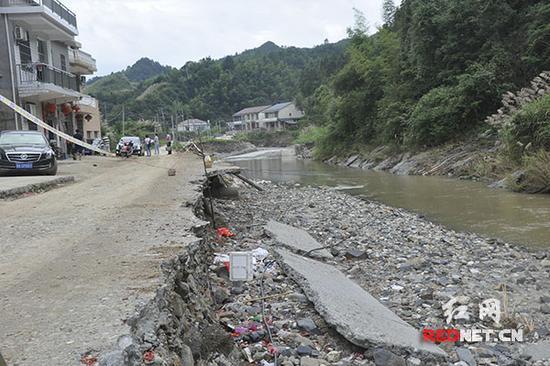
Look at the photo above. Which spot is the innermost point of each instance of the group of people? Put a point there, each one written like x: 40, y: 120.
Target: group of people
x: 149, y: 142
x: 154, y: 142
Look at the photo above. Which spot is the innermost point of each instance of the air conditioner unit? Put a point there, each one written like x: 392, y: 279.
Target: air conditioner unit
x: 21, y: 34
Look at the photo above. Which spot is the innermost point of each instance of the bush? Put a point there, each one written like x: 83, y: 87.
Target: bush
x: 310, y: 135
x: 536, y: 177
x: 449, y: 111
x: 530, y: 127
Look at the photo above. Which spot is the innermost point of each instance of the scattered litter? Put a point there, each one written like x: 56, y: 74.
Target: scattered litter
x: 224, y: 259
x: 241, y: 267
x: 260, y: 254
x: 224, y: 232
x: 88, y: 360
x: 248, y: 354
x: 149, y: 356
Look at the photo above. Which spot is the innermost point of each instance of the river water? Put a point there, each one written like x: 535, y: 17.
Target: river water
x: 461, y: 205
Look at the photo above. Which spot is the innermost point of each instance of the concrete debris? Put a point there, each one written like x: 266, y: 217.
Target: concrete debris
x: 355, y: 314
x: 296, y: 239
x: 538, y: 352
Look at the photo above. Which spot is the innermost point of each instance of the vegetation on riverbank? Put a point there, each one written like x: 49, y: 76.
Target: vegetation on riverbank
x: 431, y: 74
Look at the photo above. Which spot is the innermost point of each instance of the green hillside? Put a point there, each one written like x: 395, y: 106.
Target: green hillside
x: 215, y: 89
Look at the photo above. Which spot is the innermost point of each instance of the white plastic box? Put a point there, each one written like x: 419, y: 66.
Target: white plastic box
x: 240, y: 266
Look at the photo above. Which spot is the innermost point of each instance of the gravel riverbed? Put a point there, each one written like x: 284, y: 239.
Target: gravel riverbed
x: 411, y: 265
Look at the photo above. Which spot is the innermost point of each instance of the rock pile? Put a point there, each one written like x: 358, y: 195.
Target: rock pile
x: 411, y: 265
x: 511, y: 103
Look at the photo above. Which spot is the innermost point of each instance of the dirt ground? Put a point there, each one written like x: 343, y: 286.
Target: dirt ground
x: 75, y: 261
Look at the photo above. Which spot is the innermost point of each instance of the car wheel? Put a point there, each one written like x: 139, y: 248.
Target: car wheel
x: 53, y: 170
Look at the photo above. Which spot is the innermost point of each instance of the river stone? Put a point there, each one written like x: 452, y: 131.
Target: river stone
x: 187, y: 356
x: 307, y: 361
x: 304, y: 350
x: 384, y: 357
x: 307, y: 324
x: 114, y: 358
x: 464, y: 354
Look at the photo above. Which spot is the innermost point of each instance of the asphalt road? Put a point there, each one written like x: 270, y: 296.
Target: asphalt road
x: 75, y: 261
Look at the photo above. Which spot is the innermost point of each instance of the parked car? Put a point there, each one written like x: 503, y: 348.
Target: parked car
x: 26, y: 152
x: 138, y: 148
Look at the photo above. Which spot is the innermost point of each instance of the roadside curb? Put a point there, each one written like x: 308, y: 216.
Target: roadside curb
x: 36, y: 187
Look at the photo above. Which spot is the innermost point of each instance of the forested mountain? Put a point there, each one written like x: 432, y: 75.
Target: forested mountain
x: 144, y: 69
x: 126, y: 80
x: 215, y: 89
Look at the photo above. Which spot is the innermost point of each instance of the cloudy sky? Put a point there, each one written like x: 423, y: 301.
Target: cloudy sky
x: 119, y: 32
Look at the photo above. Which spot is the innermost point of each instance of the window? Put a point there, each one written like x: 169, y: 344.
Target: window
x: 42, y: 56
x: 89, y: 133
x: 63, y: 62
x: 24, y: 52
x: 96, y: 134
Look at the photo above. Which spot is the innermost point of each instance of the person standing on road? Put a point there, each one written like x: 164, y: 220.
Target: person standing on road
x: 147, y: 145
x: 77, y: 149
x: 157, y: 144
x: 169, y: 144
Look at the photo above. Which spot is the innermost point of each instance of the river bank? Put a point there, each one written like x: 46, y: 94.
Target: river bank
x: 411, y: 265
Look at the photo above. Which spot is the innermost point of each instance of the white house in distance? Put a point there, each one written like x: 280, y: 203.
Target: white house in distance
x: 248, y: 118
x: 193, y: 125
x: 275, y: 117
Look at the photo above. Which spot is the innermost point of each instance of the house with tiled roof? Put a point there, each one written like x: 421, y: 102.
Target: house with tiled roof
x: 274, y: 117
x: 248, y: 118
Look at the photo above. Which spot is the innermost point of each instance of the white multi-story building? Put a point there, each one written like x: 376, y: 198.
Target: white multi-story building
x: 42, y: 68
x: 193, y: 125
x: 275, y: 117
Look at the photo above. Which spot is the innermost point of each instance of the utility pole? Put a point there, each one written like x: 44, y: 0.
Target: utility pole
x: 172, y: 118
x: 123, y: 121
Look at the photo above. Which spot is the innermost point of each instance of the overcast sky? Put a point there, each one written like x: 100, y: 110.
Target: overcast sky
x: 119, y: 32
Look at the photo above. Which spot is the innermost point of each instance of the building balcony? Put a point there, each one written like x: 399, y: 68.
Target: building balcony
x: 81, y: 62
x: 43, y: 82
x: 46, y: 16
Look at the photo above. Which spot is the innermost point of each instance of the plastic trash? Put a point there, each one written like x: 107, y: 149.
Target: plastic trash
x: 208, y: 161
x: 224, y: 232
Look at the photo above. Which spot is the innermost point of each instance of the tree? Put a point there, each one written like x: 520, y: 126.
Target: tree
x: 361, y: 26
x: 388, y: 12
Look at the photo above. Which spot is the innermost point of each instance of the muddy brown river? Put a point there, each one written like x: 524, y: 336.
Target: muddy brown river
x: 461, y: 205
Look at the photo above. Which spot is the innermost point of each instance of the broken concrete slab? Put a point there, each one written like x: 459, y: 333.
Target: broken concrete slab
x: 295, y: 239
x: 538, y: 351
x: 355, y: 314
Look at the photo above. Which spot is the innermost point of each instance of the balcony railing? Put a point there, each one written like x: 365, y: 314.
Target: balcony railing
x: 79, y: 57
x: 37, y: 72
x: 55, y: 6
